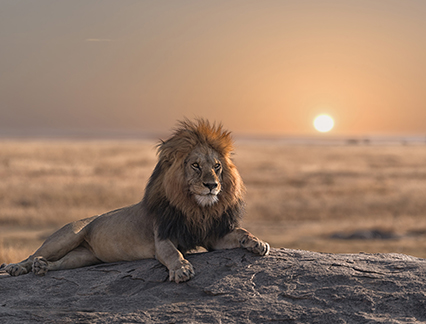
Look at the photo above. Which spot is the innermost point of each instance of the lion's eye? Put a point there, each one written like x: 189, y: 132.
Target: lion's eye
x: 217, y: 166
x: 195, y: 166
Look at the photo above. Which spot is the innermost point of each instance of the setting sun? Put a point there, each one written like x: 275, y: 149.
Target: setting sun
x: 323, y: 123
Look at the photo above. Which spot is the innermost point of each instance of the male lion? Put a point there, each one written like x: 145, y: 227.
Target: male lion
x: 194, y: 198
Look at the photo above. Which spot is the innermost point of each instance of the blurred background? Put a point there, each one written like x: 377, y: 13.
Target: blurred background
x: 259, y: 67
x: 88, y: 87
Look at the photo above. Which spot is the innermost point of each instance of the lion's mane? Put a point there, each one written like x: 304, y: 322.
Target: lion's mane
x: 168, y: 201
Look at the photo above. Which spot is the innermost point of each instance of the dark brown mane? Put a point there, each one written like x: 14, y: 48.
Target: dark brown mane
x: 189, y: 134
x: 175, y: 213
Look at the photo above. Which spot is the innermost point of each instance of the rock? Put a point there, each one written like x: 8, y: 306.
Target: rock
x: 232, y: 286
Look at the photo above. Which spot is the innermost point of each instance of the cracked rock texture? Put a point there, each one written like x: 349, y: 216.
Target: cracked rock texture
x: 234, y: 286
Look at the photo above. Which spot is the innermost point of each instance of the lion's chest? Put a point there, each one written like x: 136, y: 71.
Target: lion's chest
x: 189, y: 233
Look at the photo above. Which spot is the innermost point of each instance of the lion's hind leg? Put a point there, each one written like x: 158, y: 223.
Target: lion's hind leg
x: 64, y: 240
x: 17, y: 269
x: 79, y: 257
x: 56, y: 247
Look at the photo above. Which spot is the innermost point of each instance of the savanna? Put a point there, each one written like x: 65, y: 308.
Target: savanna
x: 333, y: 198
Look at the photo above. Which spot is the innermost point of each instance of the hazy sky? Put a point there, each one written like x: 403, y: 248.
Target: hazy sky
x: 263, y: 67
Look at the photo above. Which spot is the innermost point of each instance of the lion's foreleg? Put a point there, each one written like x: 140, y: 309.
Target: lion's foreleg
x: 180, y: 269
x: 242, y: 238
x: 77, y: 258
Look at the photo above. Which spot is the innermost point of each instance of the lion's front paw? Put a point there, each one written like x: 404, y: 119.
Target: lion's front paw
x: 183, y: 273
x: 262, y: 248
x: 40, y: 266
x: 253, y: 244
x: 15, y: 269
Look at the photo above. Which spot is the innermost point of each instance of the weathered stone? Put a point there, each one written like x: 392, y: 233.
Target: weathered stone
x: 232, y: 286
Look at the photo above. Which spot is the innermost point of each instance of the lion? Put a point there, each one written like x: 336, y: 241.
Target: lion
x: 194, y: 198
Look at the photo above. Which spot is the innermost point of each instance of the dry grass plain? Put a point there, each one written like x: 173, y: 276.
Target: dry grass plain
x: 319, y: 198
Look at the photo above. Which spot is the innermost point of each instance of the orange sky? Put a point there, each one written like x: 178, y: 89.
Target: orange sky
x: 260, y: 67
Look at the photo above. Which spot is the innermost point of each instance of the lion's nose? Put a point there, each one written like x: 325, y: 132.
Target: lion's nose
x: 210, y: 185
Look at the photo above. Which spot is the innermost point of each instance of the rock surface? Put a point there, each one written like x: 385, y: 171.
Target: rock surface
x: 234, y: 286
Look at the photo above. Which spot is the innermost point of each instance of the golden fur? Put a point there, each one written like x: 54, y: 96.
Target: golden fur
x: 194, y: 198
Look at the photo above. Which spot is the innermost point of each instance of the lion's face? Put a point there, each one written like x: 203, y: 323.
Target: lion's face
x: 203, y: 173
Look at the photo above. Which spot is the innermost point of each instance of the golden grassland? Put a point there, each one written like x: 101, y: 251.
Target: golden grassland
x: 297, y: 196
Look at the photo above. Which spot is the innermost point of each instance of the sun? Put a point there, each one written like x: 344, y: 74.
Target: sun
x: 323, y: 123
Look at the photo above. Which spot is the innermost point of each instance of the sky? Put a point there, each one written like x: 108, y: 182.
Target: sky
x: 259, y: 67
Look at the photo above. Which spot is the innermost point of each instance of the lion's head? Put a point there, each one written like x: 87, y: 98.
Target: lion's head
x: 195, y: 170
